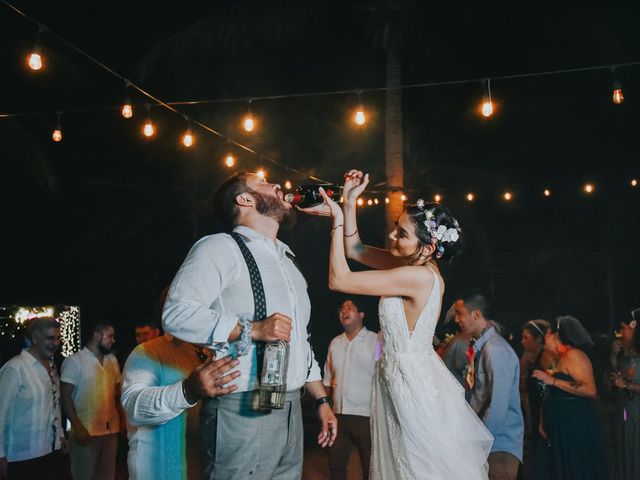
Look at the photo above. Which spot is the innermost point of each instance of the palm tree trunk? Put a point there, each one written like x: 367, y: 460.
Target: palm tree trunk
x: 394, y: 168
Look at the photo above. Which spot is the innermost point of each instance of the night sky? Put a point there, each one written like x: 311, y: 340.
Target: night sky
x: 104, y: 218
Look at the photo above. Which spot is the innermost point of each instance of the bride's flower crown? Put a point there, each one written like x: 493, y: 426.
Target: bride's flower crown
x: 439, y: 234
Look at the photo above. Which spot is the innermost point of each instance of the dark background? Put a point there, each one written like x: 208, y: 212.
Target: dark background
x: 104, y: 218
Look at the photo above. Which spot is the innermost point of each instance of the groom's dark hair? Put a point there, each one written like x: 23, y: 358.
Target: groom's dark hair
x: 224, y: 201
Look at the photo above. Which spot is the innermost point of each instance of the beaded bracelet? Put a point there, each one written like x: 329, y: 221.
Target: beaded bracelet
x: 244, y: 342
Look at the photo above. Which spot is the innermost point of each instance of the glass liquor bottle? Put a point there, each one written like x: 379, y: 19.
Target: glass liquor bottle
x: 273, y: 383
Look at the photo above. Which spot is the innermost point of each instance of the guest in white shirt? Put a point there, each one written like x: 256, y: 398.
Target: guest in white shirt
x: 348, y: 373
x: 210, y: 302
x: 31, y: 435
x: 90, y: 382
x: 163, y: 379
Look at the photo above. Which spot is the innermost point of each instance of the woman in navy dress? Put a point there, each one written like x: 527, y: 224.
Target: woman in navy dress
x: 569, y: 422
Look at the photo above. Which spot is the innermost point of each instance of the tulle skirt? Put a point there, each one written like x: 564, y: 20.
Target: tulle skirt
x: 421, y: 425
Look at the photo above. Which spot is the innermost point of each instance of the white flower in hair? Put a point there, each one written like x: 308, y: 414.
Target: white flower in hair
x: 440, y: 232
x: 420, y: 203
x: 451, y: 235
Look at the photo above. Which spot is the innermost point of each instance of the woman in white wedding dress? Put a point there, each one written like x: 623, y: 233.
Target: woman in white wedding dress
x: 421, y: 424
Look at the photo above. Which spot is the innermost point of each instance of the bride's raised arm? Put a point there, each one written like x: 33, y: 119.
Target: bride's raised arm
x: 405, y: 281
x: 354, y: 184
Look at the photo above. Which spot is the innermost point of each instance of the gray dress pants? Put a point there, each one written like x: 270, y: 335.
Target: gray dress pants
x: 240, y: 443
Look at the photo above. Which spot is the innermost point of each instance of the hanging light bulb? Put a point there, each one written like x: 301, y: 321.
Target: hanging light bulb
x: 547, y: 192
x: 618, y: 96
x: 589, y: 188
x: 487, y: 104
x: 187, y: 138
x: 229, y: 160
x: 437, y: 197
x: 359, y: 116
x: 369, y: 202
x: 248, y: 123
x: 127, y: 109
x: 470, y: 197
x: 35, y: 59
x: 148, y: 129
x: 288, y: 185
x: 360, y: 202
x: 386, y: 200
x: 507, y: 196
x: 57, y: 131
x: 375, y: 200
x: 634, y: 183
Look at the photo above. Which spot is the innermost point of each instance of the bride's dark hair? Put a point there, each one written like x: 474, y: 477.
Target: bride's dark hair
x: 436, y: 225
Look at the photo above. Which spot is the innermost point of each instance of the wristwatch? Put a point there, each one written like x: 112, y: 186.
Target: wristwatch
x: 322, y: 400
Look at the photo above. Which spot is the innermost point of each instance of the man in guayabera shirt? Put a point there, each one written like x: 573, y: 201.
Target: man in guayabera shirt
x: 210, y: 302
x: 90, y: 381
x: 31, y: 435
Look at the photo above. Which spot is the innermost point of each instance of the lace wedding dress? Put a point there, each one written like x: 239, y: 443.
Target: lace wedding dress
x: 421, y: 424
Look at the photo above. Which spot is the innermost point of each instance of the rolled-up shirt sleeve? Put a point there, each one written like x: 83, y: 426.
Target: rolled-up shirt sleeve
x: 144, y: 402
x: 501, y: 372
x: 193, y: 311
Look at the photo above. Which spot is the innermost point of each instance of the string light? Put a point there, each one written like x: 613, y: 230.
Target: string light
x: 617, y: 97
x: 437, y: 198
x: 148, y: 130
x: 634, y: 183
x: 359, y: 117
x: 69, y: 330
x: 229, y: 160
x: 369, y: 202
x: 386, y: 199
x: 403, y: 197
x: 57, y: 131
x: 248, y: 124
x: 187, y: 138
x: 470, y: 197
x: 288, y: 185
x: 375, y: 200
x: 547, y: 192
x: 127, y: 108
x: 261, y: 173
x: 360, y: 202
x: 487, y: 104
x: 507, y: 196
x: 35, y: 60
x: 589, y: 188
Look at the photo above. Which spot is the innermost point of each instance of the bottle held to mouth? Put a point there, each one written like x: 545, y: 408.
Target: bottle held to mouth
x: 309, y: 195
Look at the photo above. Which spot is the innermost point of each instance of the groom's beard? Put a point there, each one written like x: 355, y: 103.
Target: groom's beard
x: 273, y: 207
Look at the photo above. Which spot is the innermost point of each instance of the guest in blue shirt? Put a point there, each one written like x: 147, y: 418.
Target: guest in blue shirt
x: 492, y: 384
